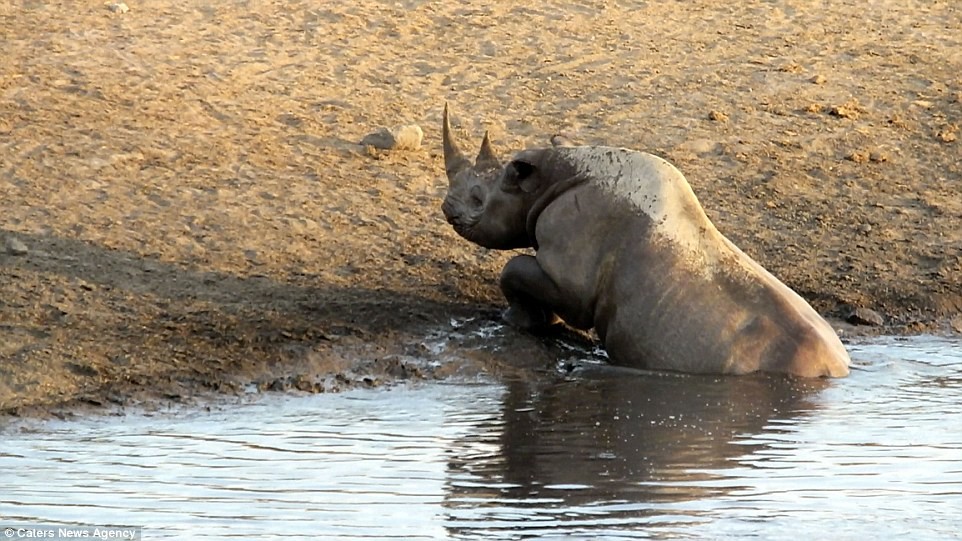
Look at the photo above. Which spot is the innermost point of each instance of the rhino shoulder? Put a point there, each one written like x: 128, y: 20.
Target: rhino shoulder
x: 649, y: 183
x: 652, y: 186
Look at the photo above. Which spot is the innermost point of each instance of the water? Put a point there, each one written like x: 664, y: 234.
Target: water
x: 875, y: 456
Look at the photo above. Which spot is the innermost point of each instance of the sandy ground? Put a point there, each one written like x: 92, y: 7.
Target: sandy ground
x: 198, y: 217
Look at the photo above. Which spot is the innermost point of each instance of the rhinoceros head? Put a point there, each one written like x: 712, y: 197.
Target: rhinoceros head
x: 475, y: 204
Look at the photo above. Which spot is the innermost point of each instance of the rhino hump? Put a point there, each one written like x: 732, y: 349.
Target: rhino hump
x: 654, y: 187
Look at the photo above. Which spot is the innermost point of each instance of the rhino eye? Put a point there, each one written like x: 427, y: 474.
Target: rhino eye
x: 476, y: 198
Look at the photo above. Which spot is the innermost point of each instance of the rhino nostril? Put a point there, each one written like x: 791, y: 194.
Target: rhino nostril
x: 449, y: 214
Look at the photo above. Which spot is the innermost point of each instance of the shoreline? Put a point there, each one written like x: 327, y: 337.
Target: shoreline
x: 359, y: 363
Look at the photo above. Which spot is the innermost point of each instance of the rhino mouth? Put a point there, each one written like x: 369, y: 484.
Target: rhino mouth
x: 458, y: 223
x: 448, y: 209
x: 460, y: 227
x: 455, y: 218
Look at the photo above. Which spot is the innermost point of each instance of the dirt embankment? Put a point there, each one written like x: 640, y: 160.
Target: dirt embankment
x: 189, y: 211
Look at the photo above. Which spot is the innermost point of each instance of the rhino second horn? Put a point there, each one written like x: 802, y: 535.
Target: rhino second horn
x: 486, y: 157
x: 454, y: 160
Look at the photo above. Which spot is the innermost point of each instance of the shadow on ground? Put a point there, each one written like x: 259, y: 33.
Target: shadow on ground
x: 128, y: 327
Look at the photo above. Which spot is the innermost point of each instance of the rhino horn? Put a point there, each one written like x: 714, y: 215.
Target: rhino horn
x: 454, y: 160
x: 486, y: 157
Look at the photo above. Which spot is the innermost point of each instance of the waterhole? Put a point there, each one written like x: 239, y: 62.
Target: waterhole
x: 593, y: 455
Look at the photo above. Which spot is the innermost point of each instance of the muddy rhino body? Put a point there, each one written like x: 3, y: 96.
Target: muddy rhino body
x: 623, y: 245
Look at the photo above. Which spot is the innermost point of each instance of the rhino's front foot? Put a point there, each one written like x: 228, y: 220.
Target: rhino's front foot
x: 529, y: 292
x: 529, y: 318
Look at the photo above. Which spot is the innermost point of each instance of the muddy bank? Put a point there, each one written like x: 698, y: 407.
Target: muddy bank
x: 190, y: 212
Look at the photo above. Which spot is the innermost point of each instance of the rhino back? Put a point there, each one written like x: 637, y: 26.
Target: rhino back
x: 645, y: 184
x: 641, y: 295
x: 661, y: 285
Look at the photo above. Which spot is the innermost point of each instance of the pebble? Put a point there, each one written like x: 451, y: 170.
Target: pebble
x: 718, y: 116
x: 405, y: 137
x: 15, y: 247
x: 849, y: 110
x: 864, y: 316
x: 118, y: 7
x: 956, y: 324
x: 859, y: 156
x: 947, y: 135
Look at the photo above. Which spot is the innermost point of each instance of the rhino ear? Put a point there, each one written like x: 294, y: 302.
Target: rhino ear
x: 521, y: 175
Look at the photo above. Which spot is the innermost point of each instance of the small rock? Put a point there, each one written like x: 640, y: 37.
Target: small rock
x: 303, y: 383
x: 859, y: 156
x: 956, y: 324
x: 718, y: 116
x: 897, y: 121
x: 406, y: 137
x: 118, y: 7
x: 818, y: 80
x: 489, y: 48
x: 946, y: 135
x: 791, y: 67
x: 850, y: 110
x: 864, y: 316
x: 15, y: 247
x: 84, y: 370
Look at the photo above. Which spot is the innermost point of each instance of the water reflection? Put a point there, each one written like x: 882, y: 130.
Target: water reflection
x: 593, y: 455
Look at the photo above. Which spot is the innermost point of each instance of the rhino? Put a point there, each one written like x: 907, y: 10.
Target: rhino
x: 622, y: 245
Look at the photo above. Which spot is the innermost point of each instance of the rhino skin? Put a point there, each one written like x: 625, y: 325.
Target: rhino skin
x: 623, y: 246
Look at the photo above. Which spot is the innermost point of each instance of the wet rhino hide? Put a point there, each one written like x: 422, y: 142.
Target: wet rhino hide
x: 623, y: 246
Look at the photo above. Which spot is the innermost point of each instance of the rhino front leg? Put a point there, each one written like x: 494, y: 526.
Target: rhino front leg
x: 532, y: 295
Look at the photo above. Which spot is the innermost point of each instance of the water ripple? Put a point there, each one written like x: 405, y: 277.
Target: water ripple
x: 875, y: 455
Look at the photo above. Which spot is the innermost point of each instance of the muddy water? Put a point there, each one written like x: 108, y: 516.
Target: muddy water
x: 589, y: 455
